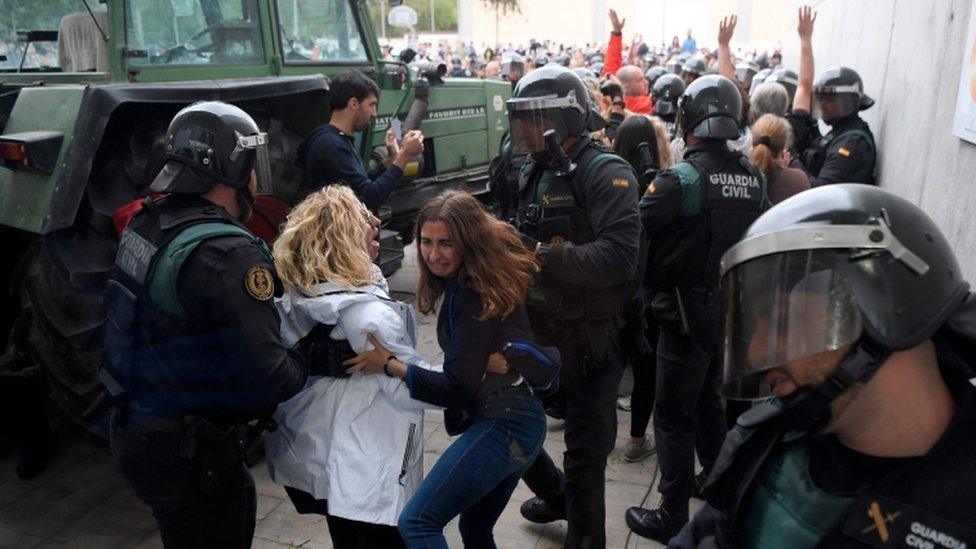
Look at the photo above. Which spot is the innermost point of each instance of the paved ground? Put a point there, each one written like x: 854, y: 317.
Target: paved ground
x: 82, y: 501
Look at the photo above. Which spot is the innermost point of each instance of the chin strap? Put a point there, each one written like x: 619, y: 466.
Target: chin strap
x: 809, y: 410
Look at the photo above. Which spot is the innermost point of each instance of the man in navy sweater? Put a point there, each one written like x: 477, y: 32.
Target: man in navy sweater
x: 328, y: 154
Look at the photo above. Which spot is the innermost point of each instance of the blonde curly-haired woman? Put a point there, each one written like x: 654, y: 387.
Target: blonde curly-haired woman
x: 356, y: 441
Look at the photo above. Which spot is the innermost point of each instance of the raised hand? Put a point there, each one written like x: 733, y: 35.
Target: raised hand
x: 726, y: 28
x: 616, y: 22
x: 806, y: 19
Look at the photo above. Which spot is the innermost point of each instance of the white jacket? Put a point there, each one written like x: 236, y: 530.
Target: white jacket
x: 356, y: 441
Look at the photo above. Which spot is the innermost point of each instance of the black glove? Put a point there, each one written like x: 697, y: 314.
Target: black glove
x: 529, y: 242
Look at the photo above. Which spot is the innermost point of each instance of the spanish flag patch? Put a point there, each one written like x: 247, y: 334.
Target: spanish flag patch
x: 621, y: 182
x: 843, y: 152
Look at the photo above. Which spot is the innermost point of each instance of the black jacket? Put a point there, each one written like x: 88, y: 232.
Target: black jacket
x: 224, y: 359
x: 934, y: 494
x: 466, y: 342
x: 328, y: 156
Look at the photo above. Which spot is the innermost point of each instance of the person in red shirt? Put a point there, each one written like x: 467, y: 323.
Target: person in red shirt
x: 636, y: 93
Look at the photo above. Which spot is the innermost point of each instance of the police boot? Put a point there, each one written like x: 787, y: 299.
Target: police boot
x: 659, y: 524
x: 541, y: 511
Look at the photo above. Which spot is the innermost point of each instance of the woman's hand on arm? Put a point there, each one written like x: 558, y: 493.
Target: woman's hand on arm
x: 375, y: 360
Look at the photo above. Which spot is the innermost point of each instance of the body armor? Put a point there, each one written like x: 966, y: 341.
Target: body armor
x: 731, y: 194
x: 554, y: 214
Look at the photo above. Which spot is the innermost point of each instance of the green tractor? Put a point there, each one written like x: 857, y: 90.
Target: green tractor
x: 87, y: 89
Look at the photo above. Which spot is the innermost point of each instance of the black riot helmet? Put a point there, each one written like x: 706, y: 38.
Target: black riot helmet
x: 744, y: 72
x: 710, y: 108
x: 667, y: 90
x: 759, y: 78
x: 695, y: 66
x: 209, y: 142
x: 653, y: 74
x: 845, y: 272
x: 786, y: 78
x: 839, y: 93
x: 541, y: 61
x: 550, y: 98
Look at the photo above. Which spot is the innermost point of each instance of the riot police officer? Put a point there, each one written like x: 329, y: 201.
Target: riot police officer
x: 869, y: 441
x: 744, y: 73
x: 192, y: 349
x: 759, y: 78
x: 695, y: 210
x: 652, y: 74
x: 692, y: 69
x: 667, y: 90
x: 786, y: 78
x: 578, y: 211
x: 848, y: 152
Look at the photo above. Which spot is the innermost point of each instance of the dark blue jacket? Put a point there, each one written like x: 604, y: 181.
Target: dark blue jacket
x: 329, y: 156
x: 466, y: 342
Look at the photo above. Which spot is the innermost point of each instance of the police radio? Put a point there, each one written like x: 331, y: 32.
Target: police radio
x: 558, y: 161
x: 649, y: 163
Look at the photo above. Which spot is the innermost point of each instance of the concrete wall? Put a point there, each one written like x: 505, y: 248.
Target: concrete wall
x: 910, y: 55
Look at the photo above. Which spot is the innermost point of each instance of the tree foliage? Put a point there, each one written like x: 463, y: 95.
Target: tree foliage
x: 504, y: 6
x: 445, y: 15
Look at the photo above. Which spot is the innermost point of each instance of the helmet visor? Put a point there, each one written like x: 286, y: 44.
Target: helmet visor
x: 784, y: 310
x: 262, y: 163
x: 528, y: 127
x: 829, y: 104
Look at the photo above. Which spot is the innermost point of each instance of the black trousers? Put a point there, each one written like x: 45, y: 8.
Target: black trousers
x: 345, y: 533
x: 688, y: 412
x: 642, y: 397
x: 187, y: 516
x: 590, y: 391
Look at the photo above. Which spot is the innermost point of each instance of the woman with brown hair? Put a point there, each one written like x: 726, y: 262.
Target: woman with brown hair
x: 771, y: 137
x: 480, y: 271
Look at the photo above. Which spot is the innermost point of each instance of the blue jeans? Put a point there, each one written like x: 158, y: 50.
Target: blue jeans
x: 475, y: 477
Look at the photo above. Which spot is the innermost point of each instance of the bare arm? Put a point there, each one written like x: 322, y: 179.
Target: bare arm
x: 804, y: 87
x: 725, y: 30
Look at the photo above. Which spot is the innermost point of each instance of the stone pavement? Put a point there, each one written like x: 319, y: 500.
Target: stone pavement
x: 82, y: 500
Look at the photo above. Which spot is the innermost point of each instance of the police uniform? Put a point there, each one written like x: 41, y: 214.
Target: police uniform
x: 693, y: 212
x: 589, y: 222
x: 845, y: 155
x: 577, y: 209
x: 193, y: 350
x: 848, y: 153
x: 792, y: 296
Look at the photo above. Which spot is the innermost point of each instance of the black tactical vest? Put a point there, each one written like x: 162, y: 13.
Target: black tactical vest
x: 816, y: 155
x: 553, y: 213
x: 131, y: 354
x: 722, y: 195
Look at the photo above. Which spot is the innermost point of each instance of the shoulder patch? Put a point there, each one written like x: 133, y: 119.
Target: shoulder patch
x: 843, y: 151
x: 621, y: 182
x: 259, y: 282
x: 651, y: 189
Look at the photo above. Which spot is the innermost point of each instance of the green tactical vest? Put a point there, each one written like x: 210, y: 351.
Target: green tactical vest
x: 163, y: 280
x: 788, y: 509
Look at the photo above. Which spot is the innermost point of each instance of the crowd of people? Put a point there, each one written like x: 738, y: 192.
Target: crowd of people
x: 695, y: 227
x: 466, y: 60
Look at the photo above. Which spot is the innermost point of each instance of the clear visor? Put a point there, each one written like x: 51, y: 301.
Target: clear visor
x: 784, y: 311
x: 527, y: 129
x: 663, y: 107
x: 829, y: 105
x: 744, y: 76
x: 262, y: 163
